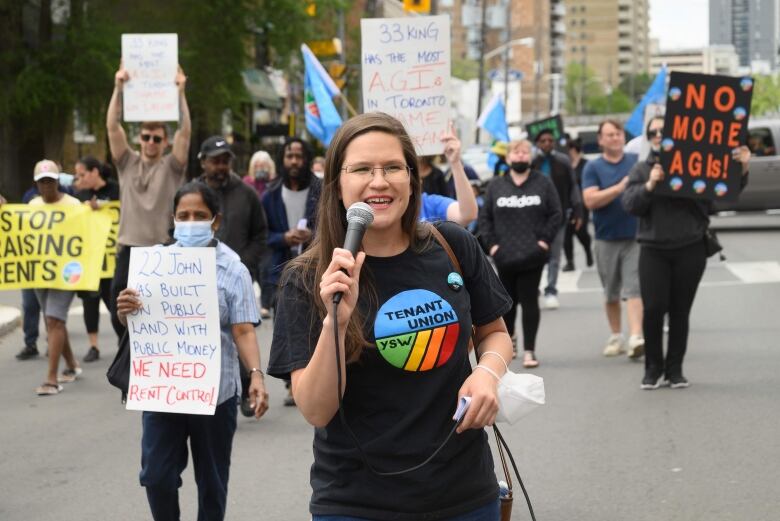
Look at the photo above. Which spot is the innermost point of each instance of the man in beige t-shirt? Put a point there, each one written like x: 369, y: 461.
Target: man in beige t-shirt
x: 147, y: 180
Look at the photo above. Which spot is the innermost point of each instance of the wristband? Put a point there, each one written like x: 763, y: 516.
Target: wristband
x: 255, y: 370
x: 489, y: 370
x: 494, y: 353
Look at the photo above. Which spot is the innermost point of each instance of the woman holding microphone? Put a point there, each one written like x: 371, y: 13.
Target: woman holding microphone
x: 404, y: 323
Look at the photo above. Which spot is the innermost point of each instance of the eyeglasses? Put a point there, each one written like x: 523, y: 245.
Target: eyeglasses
x: 147, y: 137
x: 658, y: 132
x: 390, y: 172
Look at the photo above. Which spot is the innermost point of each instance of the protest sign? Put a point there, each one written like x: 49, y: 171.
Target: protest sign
x: 706, y: 118
x: 52, y: 246
x: 151, y: 61
x: 110, y: 208
x: 175, y: 343
x: 554, y: 124
x: 406, y: 73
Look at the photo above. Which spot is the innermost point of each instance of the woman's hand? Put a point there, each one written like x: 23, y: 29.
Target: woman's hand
x: 483, y: 389
x: 336, y: 281
x: 451, y: 145
x: 126, y: 303
x: 493, y: 250
x: 742, y: 154
x: 543, y: 245
x: 258, y: 396
x: 656, y: 176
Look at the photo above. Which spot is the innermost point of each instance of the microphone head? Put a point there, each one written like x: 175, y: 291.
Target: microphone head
x: 360, y: 213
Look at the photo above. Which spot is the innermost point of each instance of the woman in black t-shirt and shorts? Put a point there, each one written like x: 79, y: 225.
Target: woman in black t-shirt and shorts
x: 404, y: 325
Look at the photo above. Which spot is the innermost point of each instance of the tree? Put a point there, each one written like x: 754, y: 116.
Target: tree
x: 766, y: 95
x: 634, y: 87
x: 582, y: 88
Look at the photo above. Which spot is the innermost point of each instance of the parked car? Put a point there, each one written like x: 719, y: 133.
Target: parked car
x: 763, y: 190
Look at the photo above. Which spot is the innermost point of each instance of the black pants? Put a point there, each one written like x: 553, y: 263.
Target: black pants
x: 91, y: 301
x: 523, y: 288
x: 669, y: 279
x: 582, y: 235
x: 164, y: 458
x: 118, y: 284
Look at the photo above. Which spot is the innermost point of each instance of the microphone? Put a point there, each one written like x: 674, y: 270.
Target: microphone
x: 359, y: 217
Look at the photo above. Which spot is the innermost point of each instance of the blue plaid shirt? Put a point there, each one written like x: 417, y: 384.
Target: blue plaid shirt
x: 237, y: 305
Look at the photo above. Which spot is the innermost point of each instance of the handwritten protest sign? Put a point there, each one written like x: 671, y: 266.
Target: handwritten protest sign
x: 406, y: 73
x: 175, y: 338
x: 554, y: 124
x: 706, y: 118
x: 110, y: 208
x: 51, y: 246
x: 151, y: 61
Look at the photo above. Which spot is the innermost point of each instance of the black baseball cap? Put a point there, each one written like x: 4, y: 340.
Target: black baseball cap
x: 215, y: 146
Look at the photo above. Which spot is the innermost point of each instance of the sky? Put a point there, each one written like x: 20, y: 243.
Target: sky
x: 680, y: 24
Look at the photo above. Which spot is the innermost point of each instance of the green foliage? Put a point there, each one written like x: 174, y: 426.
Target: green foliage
x: 465, y: 69
x: 582, y: 88
x: 766, y: 95
x: 642, y: 82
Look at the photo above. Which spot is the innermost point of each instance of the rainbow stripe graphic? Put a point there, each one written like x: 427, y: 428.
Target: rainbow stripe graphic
x: 416, y: 330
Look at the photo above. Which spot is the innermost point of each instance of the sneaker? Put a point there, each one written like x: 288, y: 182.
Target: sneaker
x: 614, y: 345
x: 569, y: 267
x: 650, y: 382
x: 677, y: 382
x: 289, y: 401
x: 246, y: 407
x: 590, y: 258
x: 551, y: 302
x: 636, y: 347
x: 265, y: 313
x: 92, y: 355
x: 69, y: 375
x: 27, y: 352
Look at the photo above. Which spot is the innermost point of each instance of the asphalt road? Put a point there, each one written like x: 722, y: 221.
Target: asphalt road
x: 601, y: 449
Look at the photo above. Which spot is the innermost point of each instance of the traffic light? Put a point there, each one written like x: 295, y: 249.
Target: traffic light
x: 338, y: 71
x: 417, y: 6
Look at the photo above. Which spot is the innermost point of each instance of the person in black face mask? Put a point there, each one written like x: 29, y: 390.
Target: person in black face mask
x: 518, y: 222
x: 290, y: 207
x: 672, y: 259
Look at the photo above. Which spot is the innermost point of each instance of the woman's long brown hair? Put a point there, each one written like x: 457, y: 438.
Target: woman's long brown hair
x: 332, y: 222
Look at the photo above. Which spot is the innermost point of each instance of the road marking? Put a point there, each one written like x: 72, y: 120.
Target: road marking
x: 755, y: 272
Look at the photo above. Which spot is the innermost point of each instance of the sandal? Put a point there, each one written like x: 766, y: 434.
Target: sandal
x: 69, y: 375
x: 529, y: 360
x: 47, y: 389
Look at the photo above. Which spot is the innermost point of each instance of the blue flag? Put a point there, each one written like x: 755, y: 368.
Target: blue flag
x: 322, y: 118
x: 493, y: 119
x: 655, y: 94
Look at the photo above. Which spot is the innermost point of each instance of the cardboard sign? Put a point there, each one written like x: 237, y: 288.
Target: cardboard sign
x: 175, y: 345
x: 110, y: 208
x: 152, y: 62
x: 52, y: 246
x: 406, y: 73
x: 706, y: 118
x: 554, y: 123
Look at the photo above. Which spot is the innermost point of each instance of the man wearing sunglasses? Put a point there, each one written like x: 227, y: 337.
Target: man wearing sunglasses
x: 148, y: 179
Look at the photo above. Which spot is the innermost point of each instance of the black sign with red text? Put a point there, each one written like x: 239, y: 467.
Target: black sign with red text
x: 706, y: 118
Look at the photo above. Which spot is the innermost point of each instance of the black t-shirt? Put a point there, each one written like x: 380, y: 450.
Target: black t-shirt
x: 401, y: 395
x: 436, y: 183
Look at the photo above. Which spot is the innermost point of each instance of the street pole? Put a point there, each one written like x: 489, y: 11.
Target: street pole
x: 537, y: 57
x: 506, y: 54
x: 343, y: 39
x: 482, y: 28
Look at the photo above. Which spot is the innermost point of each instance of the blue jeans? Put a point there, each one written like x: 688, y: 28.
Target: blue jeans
x: 555, y: 262
x: 32, y: 315
x: 489, y: 512
x: 164, y: 458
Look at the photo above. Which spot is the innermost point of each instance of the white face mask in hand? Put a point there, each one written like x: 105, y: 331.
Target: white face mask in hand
x: 193, y: 233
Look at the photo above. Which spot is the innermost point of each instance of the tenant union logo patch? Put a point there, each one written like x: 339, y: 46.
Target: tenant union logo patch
x: 416, y: 330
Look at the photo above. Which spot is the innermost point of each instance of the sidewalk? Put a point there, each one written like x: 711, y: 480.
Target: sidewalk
x: 10, y: 317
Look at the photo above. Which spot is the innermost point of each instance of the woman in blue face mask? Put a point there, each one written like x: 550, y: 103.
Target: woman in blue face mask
x: 164, y: 444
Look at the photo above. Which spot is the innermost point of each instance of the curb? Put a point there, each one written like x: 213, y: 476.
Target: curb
x: 10, y: 317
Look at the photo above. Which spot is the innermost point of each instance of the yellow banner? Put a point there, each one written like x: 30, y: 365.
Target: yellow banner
x: 111, y: 208
x: 52, y: 246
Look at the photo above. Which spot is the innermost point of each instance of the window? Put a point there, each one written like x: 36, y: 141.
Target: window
x: 761, y: 143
